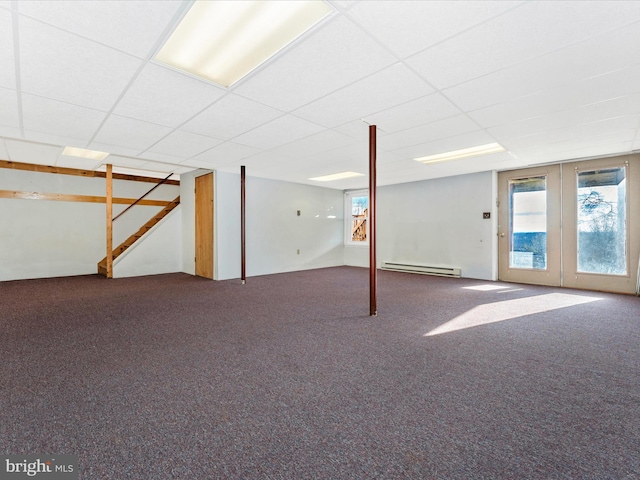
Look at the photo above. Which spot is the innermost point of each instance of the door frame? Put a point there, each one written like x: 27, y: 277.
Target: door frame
x: 204, y: 225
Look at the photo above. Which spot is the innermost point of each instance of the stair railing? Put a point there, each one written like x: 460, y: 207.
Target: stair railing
x: 148, y: 192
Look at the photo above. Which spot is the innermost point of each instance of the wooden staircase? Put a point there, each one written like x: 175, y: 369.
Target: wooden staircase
x: 120, y: 249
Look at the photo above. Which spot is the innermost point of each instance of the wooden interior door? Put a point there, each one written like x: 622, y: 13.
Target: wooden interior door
x: 204, y: 226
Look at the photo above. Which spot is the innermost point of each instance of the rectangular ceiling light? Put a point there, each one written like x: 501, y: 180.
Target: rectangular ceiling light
x: 463, y: 153
x: 224, y: 40
x: 336, y: 176
x: 84, y: 153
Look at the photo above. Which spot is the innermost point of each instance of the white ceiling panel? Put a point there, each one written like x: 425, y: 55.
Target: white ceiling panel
x: 184, y: 144
x: 127, y: 132
x: 231, y: 116
x: 161, y: 157
x: 165, y: 96
x: 331, y: 58
x: 621, y: 106
x: 161, y: 167
x: 9, y: 115
x: 76, y: 162
x: 114, y: 23
x: 531, y: 30
x: 318, y: 143
x: 114, y: 149
x: 59, y: 118
x: 602, y: 54
x: 4, y: 153
x: 388, y: 88
x: 52, y: 139
x: 446, y: 145
x: 592, y: 90
x: 407, y: 27
x: 574, y: 133
x: 64, y: 67
x: 448, y: 127
x: 10, y: 132
x: 28, y: 152
x: 122, y: 161
x: 278, y: 132
x: 222, y: 154
x: 8, y: 71
x: 417, y: 112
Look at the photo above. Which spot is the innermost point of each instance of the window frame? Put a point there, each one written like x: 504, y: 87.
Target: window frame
x: 348, y: 217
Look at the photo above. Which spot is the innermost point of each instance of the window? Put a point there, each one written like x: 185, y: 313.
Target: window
x: 356, y: 216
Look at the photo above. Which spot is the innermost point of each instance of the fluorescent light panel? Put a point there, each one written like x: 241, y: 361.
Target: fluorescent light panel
x: 463, y: 153
x: 222, y: 41
x: 84, y: 153
x: 336, y: 176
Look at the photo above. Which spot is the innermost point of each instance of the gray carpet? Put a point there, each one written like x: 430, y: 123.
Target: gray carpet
x: 173, y: 376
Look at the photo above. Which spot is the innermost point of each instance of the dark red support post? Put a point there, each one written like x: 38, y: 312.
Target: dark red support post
x: 243, y: 247
x: 373, y: 272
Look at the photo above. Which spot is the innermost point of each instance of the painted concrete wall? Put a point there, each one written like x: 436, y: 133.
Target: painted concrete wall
x: 437, y: 222
x: 40, y: 238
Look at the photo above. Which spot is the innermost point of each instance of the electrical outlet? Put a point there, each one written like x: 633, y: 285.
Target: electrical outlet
x: 298, y: 252
x: 486, y: 215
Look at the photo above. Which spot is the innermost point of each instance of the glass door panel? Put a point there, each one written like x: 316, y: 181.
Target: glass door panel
x: 602, y: 222
x: 528, y: 222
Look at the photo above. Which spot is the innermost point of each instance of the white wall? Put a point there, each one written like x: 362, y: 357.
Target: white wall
x: 437, y: 222
x: 227, y: 228
x: 159, y: 251
x: 42, y: 238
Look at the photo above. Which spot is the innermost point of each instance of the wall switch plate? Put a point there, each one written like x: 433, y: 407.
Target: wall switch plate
x: 298, y: 212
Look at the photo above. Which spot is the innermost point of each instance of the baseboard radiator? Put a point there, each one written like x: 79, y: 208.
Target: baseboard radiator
x: 422, y: 269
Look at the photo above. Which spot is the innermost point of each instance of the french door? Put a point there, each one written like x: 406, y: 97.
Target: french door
x: 574, y: 224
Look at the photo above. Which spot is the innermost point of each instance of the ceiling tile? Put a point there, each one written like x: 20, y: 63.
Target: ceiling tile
x: 160, y: 167
x: 581, y: 132
x: 64, y: 67
x: 28, y: 152
x: 222, y: 154
x: 114, y: 149
x: 4, y: 153
x: 127, y: 132
x: 531, y: 30
x: 121, y: 161
x: 11, y: 132
x: 9, y: 108
x: 388, y: 88
x: 52, y: 139
x: 314, y: 144
x: 336, y: 55
x: 59, y: 118
x: 184, y: 144
x: 594, y: 112
x: 114, y: 23
x: 592, y: 90
x: 407, y: 27
x: 417, y: 112
x: 161, y: 157
x: 446, y: 145
x: 429, y: 132
x: 8, y: 71
x: 167, y: 97
x: 278, y: 132
x: 598, y: 55
x: 76, y: 162
x: 231, y: 116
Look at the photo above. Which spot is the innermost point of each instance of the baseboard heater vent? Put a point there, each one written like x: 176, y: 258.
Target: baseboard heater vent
x: 423, y: 269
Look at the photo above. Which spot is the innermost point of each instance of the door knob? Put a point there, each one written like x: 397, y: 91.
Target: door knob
x: 501, y: 234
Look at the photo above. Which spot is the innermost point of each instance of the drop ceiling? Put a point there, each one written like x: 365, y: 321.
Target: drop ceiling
x: 549, y: 81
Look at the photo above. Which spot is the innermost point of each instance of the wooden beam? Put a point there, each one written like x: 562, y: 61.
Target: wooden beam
x: 109, y: 221
x: 373, y: 270
x: 81, y: 173
x: 63, y: 197
x: 243, y: 248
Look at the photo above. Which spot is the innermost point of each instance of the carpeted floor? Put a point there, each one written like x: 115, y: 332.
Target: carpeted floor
x: 174, y: 376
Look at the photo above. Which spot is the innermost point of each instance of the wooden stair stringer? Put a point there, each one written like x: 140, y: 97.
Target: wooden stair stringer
x: 124, y: 246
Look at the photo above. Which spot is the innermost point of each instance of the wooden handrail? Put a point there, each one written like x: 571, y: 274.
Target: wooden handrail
x: 136, y: 202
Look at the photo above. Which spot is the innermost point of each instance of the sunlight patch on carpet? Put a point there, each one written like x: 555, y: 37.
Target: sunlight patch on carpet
x: 510, y: 309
